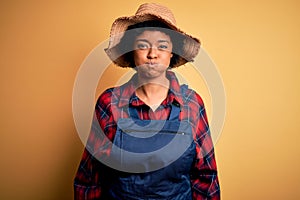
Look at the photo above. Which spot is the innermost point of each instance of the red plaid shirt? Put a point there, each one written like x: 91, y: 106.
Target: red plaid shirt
x: 204, y: 180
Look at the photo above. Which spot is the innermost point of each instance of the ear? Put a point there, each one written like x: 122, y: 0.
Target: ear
x: 171, y: 55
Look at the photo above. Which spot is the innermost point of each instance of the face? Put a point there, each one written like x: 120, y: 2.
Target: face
x: 152, y: 54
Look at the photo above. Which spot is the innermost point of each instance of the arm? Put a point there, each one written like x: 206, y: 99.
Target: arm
x: 88, y: 180
x: 204, y: 178
x: 86, y: 185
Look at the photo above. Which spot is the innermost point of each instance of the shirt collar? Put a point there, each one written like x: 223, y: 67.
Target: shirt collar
x: 128, y: 96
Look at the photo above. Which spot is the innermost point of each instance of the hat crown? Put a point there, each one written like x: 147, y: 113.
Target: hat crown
x: 156, y: 10
x: 146, y: 12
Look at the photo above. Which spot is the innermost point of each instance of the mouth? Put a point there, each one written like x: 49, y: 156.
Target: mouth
x: 151, y: 64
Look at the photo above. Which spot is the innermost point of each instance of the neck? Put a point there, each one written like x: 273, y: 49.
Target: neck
x: 152, y: 92
x: 150, y: 89
x: 160, y: 80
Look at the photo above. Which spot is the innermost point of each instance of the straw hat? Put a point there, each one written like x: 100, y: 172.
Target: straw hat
x: 147, y: 12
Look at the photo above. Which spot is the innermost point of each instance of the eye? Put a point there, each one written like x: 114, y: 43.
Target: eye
x: 163, y: 46
x: 142, y: 46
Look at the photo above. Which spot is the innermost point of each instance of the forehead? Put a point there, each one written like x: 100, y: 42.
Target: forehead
x: 153, y: 35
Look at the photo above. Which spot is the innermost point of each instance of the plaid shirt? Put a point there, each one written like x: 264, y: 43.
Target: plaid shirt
x: 204, y: 180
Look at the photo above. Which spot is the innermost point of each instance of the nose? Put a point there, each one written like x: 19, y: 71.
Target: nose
x: 152, y: 53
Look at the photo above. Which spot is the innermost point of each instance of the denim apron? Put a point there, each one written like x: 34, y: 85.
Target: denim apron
x: 155, y: 157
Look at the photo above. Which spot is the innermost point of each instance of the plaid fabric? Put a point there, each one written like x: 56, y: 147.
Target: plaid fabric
x: 110, y: 107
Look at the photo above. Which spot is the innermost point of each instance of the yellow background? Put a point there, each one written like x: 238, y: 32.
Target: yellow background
x: 255, y: 45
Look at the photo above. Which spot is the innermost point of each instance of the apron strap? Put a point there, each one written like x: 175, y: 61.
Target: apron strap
x: 175, y: 111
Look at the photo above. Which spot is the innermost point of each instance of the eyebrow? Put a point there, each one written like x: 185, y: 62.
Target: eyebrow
x: 164, y: 41
x: 159, y: 41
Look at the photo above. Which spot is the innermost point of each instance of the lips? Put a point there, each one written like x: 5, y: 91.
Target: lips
x: 151, y: 64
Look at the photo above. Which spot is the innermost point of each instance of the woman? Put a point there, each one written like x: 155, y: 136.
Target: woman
x: 156, y: 142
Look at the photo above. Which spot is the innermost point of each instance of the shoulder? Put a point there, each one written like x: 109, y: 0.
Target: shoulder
x: 108, y: 97
x: 190, y: 96
x: 113, y: 95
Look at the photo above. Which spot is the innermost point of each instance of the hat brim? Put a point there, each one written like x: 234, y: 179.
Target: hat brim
x: 190, y: 47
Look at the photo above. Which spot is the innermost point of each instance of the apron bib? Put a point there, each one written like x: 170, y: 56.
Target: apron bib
x: 155, y: 157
